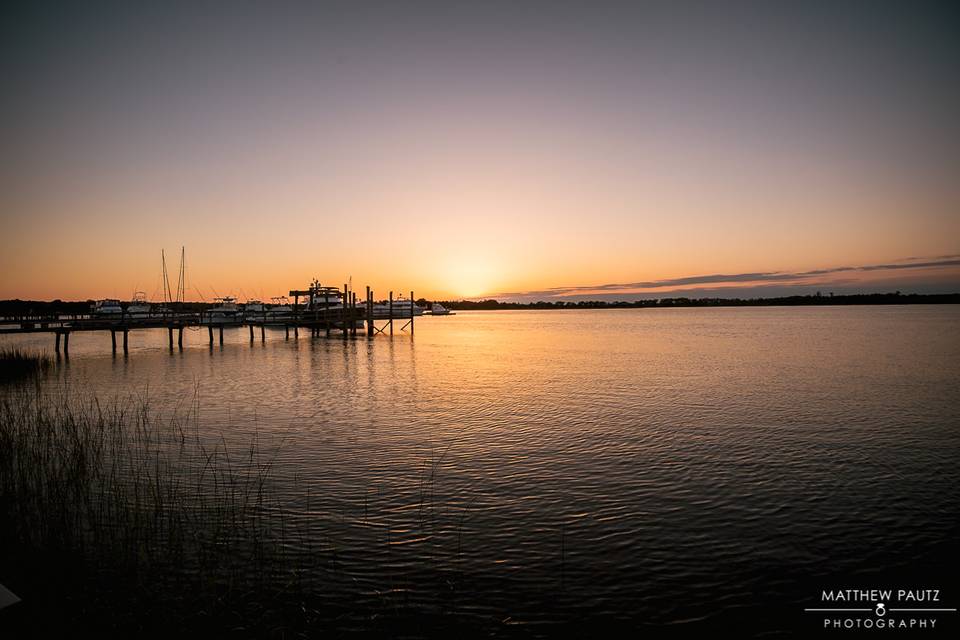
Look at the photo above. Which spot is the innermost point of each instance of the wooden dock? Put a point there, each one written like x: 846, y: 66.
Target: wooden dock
x: 316, y: 317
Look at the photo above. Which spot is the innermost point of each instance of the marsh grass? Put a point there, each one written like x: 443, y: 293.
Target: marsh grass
x: 117, y: 513
x: 122, y: 519
x: 17, y: 364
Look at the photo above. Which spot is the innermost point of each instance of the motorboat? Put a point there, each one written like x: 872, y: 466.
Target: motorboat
x: 107, y: 308
x: 401, y: 308
x: 254, y: 310
x: 328, y: 299
x: 324, y: 298
x: 437, y: 309
x: 280, y: 312
x: 226, y: 312
x: 139, y: 308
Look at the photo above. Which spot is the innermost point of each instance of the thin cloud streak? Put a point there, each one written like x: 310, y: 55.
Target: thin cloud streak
x: 801, y: 277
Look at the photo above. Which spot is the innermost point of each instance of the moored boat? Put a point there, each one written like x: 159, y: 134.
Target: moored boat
x: 139, y: 308
x: 107, y: 308
x: 401, y: 308
x: 280, y: 312
x: 254, y: 310
x: 226, y: 312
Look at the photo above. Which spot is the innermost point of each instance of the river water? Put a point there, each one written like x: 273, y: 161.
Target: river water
x: 653, y: 469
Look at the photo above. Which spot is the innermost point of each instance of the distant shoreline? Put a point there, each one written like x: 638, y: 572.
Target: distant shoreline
x: 895, y: 298
x: 23, y: 307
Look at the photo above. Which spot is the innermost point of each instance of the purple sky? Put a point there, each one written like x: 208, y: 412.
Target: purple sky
x: 476, y: 148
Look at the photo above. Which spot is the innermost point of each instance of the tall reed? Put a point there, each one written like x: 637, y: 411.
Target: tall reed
x: 118, y: 517
x: 132, y: 509
x: 17, y: 363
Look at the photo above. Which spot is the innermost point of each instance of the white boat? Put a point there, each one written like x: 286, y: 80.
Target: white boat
x: 139, y: 308
x: 280, y: 312
x: 401, y: 309
x: 226, y: 313
x: 438, y: 309
x: 329, y: 298
x: 107, y: 308
x: 254, y: 310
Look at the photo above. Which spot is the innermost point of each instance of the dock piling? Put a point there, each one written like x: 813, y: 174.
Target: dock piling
x: 126, y: 348
x: 113, y: 340
x: 326, y: 311
x: 344, y: 310
x: 353, y: 313
x: 369, y: 313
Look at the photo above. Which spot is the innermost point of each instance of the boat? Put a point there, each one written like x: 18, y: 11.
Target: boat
x: 438, y: 309
x: 327, y: 299
x: 324, y: 298
x: 139, y: 308
x: 280, y: 312
x: 160, y: 311
x: 107, y: 308
x: 401, y: 309
x: 226, y: 312
x: 254, y: 310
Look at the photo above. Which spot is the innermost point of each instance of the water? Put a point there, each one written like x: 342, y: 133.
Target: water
x: 648, y: 468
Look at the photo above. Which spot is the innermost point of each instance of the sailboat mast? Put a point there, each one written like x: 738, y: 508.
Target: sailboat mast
x: 182, y: 281
x: 166, y: 279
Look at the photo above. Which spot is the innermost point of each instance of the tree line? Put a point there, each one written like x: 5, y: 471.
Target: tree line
x: 61, y: 307
x: 788, y: 301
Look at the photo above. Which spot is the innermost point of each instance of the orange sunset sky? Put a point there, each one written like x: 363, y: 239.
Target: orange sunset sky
x: 513, y: 150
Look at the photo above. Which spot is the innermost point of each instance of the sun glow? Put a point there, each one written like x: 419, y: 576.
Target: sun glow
x: 471, y: 275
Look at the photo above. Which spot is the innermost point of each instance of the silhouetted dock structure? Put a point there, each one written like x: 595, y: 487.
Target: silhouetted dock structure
x: 327, y: 309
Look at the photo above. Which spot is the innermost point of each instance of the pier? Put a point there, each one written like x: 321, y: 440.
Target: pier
x: 325, y: 310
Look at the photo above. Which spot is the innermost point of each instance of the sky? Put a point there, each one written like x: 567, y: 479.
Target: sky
x: 520, y: 150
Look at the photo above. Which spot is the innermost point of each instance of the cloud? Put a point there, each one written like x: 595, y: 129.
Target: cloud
x: 755, y: 278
